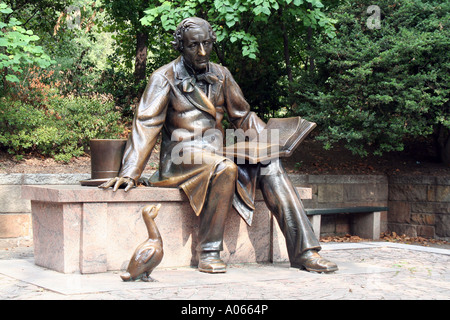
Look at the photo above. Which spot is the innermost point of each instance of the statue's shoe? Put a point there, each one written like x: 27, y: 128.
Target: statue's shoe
x: 312, y: 261
x: 210, y: 262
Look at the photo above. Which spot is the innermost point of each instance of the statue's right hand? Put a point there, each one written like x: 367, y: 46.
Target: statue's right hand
x: 117, y: 182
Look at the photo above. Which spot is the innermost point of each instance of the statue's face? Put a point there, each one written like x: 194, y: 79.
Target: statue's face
x: 197, y: 46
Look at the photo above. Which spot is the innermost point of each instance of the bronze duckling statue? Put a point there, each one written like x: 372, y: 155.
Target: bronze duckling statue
x: 148, y: 254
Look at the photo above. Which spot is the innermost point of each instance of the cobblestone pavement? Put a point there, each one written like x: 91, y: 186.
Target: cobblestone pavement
x: 371, y: 270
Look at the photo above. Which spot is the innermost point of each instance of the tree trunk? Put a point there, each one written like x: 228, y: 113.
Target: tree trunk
x: 287, y: 56
x: 309, y: 39
x: 443, y: 141
x: 309, y: 48
x: 5, y: 82
x: 141, y: 57
x: 287, y: 60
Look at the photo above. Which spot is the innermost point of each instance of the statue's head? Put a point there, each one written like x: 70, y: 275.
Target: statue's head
x: 194, y: 38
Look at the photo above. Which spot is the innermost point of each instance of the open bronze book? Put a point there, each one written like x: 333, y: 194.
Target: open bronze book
x: 280, y: 138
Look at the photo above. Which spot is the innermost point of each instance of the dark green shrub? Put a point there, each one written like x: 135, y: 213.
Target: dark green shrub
x: 61, y: 130
x: 374, y: 88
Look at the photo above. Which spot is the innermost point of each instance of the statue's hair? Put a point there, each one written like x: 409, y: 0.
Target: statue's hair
x: 187, y: 24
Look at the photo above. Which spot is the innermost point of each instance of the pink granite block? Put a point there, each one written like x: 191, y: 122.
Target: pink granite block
x: 88, y: 230
x: 48, y: 239
x: 94, y: 237
x: 279, y: 250
x: 56, y: 235
x: 178, y: 226
x: 77, y: 193
x: 247, y: 244
x: 126, y: 230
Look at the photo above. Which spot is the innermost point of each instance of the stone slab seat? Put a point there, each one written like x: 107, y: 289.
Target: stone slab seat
x: 365, y: 220
x: 89, y: 230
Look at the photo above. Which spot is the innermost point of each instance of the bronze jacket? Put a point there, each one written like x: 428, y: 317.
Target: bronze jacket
x: 191, y: 126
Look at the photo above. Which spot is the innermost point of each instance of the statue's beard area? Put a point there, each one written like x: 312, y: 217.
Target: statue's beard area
x: 200, y: 66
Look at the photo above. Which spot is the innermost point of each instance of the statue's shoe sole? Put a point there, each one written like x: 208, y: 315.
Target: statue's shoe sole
x: 219, y: 267
x: 319, y: 265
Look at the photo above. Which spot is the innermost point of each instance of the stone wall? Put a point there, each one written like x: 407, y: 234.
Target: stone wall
x: 334, y: 191
x: 15, y: 212
x: 420, y: 206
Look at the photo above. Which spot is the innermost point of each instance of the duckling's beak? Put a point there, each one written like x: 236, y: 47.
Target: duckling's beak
x: 157, y: 207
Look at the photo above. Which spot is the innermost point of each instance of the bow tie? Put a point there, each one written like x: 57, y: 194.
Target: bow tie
x: 189, y: 82
x: 208, y: 77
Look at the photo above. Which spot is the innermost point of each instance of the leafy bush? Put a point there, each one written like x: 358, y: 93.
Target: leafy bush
x: 17, y: 47
x: 62, y: 130
x: 373, y: 88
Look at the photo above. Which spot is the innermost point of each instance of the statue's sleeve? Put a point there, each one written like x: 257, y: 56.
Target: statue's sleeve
x: 238, y: 109
x: 147, y: 123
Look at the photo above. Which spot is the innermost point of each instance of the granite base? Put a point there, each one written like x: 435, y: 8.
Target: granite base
x: 90, y: 230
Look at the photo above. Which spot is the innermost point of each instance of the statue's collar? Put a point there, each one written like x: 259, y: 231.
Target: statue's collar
x: 187, y: 77
x: 186, y: 83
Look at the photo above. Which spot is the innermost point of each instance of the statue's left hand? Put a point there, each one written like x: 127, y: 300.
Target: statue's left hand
x: 117, y: 182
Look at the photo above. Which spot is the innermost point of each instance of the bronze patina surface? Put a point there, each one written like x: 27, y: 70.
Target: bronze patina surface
x: 106, y: 157
x: 148, y: 255
x: 186, y: 101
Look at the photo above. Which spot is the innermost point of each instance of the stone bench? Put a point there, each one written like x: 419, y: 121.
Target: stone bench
x: 89, y: 230
x: 365, y: 223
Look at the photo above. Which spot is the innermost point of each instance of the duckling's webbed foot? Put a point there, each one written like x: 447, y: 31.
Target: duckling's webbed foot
x: 146, y: 277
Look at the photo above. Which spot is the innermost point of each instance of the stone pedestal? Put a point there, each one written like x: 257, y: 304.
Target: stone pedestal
x: 90, y: 230
x: 367, y: 225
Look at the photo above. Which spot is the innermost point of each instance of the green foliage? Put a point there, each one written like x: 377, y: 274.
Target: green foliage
x: 232, y: 20
x: 62, y: 130
x: 123, y: 33
x: 80, y: 48
x: 254, y: 39
x: 18, y: 47
x: 35, y: 114
x: 369, y: 88
x: 372, y: 88
x: 122, y: 20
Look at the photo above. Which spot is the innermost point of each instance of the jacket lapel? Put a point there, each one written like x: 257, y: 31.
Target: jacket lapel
x: 187, y: 86
x: 214, y: 89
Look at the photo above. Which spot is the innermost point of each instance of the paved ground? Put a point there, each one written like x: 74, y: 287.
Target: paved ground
x: 368, y: 270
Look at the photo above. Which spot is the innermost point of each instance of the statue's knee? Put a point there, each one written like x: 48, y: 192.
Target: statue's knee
x: 227, y: 166
x: 275, y: 167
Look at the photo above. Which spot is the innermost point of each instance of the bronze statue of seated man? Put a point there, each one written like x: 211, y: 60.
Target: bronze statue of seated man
x: 188, y: 96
